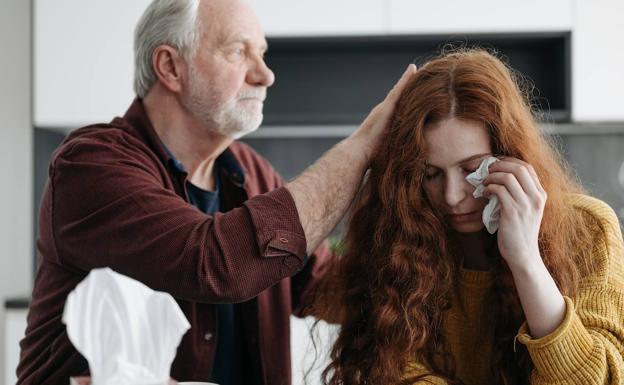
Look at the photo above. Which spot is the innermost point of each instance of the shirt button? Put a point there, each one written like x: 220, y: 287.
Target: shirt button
x: 208, y: 336
x: 283, y: 240
x: 291, y: 262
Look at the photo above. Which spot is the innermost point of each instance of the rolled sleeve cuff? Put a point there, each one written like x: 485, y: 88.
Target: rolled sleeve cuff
x: 278, y: 229
x: 562, y: 353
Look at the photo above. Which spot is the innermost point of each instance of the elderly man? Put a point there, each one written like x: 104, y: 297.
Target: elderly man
x: 166, y: 195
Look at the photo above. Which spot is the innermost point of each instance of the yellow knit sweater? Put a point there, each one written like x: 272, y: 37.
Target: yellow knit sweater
x: 587, y: 348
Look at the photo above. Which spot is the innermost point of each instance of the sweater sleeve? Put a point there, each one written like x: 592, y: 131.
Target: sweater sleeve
x: 588, y: 347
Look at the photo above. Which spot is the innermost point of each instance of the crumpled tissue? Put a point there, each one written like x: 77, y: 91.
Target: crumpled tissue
x: 491, y: 212
x: 128, y: 332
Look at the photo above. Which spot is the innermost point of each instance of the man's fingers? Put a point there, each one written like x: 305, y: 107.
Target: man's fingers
x: 396, y: 91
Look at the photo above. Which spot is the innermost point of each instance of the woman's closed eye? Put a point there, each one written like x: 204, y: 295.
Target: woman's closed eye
x: 435, y: 174
x: 430, y: 175
x: 471, y: 166
x: 468, y: 170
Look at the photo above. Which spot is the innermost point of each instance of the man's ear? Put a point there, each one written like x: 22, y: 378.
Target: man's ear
x: 169, y: 66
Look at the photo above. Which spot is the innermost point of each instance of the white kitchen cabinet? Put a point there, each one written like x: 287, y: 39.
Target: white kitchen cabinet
x: 598, y: 61
x: 322, y: 17
x: 83, y: 69
x: 83, y: 63
x: 83, y: 60
x: 14, y: 325
x: 476, y: 16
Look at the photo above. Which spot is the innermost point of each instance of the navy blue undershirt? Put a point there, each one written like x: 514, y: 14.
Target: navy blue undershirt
x: 227, y: 367
x: 229, y: 363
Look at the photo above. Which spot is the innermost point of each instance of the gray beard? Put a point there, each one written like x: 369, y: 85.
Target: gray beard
x: 225, y: 118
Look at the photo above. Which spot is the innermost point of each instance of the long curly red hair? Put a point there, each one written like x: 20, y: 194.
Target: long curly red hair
x: 397, y: 274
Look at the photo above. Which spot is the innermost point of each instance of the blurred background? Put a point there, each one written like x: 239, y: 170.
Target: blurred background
x: 68, y: 63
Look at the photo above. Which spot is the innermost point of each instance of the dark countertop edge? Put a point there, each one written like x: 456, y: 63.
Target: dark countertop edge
x: 17, y: 303
x: 343, y: 130
x: 587, y: 128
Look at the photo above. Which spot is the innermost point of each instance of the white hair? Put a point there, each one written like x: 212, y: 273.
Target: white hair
x: 172, y: 22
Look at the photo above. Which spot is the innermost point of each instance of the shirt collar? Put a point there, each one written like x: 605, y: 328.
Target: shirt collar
x: 226, y: 163
x: 137, y: 117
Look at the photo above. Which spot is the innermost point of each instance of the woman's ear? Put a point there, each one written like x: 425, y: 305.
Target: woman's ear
x: 169, y: 65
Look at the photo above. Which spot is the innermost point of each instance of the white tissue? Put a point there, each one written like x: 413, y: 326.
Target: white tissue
x: 491, y: 212
x: 128, y: 332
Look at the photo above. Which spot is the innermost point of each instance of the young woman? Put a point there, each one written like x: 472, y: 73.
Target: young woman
x: 428, y: 295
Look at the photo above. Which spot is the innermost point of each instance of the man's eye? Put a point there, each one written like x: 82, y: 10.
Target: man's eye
x: 237, y: 53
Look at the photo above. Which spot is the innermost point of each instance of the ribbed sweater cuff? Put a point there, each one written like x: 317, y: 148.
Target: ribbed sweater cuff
x: 566, y: 352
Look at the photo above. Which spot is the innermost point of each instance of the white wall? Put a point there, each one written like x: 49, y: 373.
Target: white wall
x: 15, y: 157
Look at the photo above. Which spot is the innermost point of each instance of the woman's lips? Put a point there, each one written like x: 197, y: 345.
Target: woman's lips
x: 464, y: 217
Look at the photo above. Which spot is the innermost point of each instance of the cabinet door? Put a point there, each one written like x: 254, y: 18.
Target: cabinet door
x: 83, y: 60
x: 15, y: 325
x: 597, y: 57
x: 409, y: 16
x: 321, y: 17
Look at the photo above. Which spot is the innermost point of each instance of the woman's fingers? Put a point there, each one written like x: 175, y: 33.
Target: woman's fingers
x: 523, y: 173
x: 507, y: 202
x: 509, y: 182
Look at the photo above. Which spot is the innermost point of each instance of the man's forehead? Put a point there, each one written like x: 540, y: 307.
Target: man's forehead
x: 230, y: 20
x: 239, y: 36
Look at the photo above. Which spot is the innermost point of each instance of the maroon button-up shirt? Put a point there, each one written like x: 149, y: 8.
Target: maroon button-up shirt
x: 114, y: 199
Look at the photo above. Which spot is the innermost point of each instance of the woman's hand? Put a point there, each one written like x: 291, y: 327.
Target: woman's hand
x: 522, y: 200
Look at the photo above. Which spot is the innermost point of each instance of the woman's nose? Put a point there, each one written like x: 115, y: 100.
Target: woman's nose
x: 456, y: 190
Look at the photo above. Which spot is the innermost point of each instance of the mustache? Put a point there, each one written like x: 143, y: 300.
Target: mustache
x: 254, y: 94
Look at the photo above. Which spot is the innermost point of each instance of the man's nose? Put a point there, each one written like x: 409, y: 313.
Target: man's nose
x: 456, y: 190
x: 260, y: 74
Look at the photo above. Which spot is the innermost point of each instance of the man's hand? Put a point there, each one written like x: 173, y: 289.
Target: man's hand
x: 325, y: 190
x: 378, y: 120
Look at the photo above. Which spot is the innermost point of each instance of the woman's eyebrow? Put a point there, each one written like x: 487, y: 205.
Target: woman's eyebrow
x: 466, y: 160
x: 473, y: 157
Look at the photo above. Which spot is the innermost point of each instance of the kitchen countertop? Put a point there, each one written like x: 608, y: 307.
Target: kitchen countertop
x: 342, y: 131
